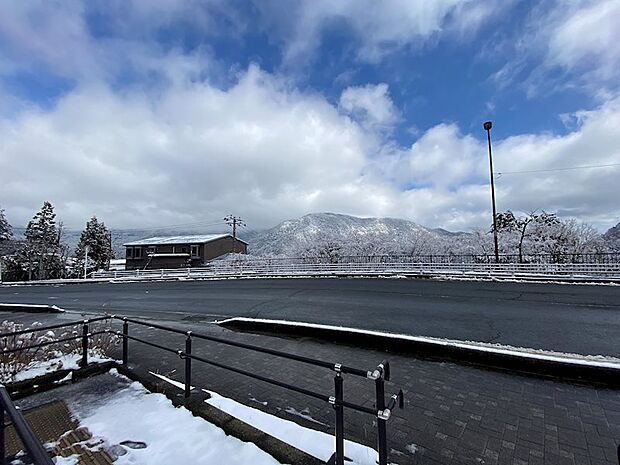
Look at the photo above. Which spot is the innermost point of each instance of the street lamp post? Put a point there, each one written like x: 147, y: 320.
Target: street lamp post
x: 487, y: 126
x: 86, y: 248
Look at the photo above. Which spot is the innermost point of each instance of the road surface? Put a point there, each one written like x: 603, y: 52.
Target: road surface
x: 569, y: 318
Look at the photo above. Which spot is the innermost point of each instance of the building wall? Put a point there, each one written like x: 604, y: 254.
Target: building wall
x: 206, y: 252
x: 222, y: 246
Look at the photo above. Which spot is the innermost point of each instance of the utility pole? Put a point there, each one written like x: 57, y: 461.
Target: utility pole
x: 234, y: 221
x: 487, y: 126
x: 86, y: 260
x: 109, y: 248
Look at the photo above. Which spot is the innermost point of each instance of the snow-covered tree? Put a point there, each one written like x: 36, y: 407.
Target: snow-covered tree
x: 43, y: 253
x: 545, y: 234
x: 97, y: 238
x: 6, y: 232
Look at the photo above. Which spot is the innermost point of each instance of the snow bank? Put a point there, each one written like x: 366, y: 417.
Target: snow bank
x: 32, y: 307
x: 172, y: 435
x: 600, y: 361
x: 315, y: 443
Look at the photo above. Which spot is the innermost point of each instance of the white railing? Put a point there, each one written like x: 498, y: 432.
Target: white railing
x: 282, y: 268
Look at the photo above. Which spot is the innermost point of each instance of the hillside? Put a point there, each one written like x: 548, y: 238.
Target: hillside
x: 314, y: 233
x: 612, y: 238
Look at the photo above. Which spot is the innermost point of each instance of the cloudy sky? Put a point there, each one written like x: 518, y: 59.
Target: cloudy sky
x: 162, y: 112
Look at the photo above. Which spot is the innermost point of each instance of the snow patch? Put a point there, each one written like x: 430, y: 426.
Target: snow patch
x: 71, y: 460
x: 316, y: 443
x: 172, y: 435
x: 43, y: 307
x: 303, y: 414
x: 63, y: 362
x: 411, y: 448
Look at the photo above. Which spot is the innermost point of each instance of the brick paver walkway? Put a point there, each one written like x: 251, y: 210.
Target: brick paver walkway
x: 453, y: 414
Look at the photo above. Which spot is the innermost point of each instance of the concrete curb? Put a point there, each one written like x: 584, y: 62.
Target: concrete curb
x: 539, y: 363
x: 52, y: 380
x: 30, y: 308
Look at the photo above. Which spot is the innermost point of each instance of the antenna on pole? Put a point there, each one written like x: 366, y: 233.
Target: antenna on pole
x: 234, y: 221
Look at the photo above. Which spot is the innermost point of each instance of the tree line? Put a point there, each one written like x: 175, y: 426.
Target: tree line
x: 521, y: 239
x: 43, y: 253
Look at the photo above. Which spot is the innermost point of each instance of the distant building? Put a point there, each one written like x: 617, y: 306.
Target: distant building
x: 180, y: 251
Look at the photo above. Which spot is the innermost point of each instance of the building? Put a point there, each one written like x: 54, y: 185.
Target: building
x: 180, y: 251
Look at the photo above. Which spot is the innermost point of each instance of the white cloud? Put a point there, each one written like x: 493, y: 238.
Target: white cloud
x: 371, y: 104
x: 377, y: 28
x: 189, y: 150
x: 40, y: 33
x: 196, y: 151
x: 268, y: 152
x: 565, y: 44
x: 56, y: 38
x: 586, y: 38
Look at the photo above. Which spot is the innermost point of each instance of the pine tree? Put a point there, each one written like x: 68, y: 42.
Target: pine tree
x: 43, y: 251
x: 6, y: 232
x: 97, y: 237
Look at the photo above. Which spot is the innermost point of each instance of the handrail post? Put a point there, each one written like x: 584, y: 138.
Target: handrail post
x: 381, y: 423
x: 84, y: 360
x: 188, y: 364
x: 125, y: 341
x: 339, y: 409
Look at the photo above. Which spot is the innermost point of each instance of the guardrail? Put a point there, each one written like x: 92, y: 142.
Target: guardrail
x: 33, y: 446
x: 382, y: 411
x: 277, y: 268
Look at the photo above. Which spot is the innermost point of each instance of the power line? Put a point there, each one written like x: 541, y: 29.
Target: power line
x: 558, y: 169
x: 172, y: 226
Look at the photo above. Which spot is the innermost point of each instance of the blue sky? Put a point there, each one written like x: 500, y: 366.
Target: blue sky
x: 150, y: 113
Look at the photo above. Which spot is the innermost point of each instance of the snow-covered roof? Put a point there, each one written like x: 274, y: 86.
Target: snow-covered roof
x: 173, y: 240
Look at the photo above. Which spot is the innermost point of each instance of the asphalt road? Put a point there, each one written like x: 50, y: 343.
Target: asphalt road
x: 569, y: 318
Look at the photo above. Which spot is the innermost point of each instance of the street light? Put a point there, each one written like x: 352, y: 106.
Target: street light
x: 487, y: 126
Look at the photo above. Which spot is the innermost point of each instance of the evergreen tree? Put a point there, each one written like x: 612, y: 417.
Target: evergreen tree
x: 6, y: 232
x: 43, y: 252
x: 97, y: 237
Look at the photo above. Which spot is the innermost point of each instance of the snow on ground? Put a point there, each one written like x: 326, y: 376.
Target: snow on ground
x: 41, y: 307
x: 412, y: 448
x: 63, y: 362
x: 71, y: 460
x: 172, y: 435
x: 599, y: 361
x: 315, y: 443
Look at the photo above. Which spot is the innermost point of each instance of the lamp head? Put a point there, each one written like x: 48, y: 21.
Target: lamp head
x: 488, y: 125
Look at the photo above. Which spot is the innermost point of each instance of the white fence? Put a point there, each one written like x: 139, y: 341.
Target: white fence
x: 284, y: 268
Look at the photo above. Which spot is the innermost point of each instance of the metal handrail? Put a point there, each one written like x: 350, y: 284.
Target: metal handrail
x: 56, y: 326
x: 277, y: 353
x: 379, y: 375
x: 30, y: 441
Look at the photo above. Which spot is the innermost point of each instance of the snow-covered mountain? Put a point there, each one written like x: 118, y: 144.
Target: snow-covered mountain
x: 312, y: 233
x: 612, y: 238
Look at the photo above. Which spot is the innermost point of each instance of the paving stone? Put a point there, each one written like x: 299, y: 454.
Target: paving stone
x: 455, y: 414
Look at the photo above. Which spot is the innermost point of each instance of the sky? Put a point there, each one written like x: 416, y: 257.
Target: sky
x: 152, y: 113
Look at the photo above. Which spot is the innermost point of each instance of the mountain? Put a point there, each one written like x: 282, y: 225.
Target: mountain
x: 315, y: 233
x: 612, y: 238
